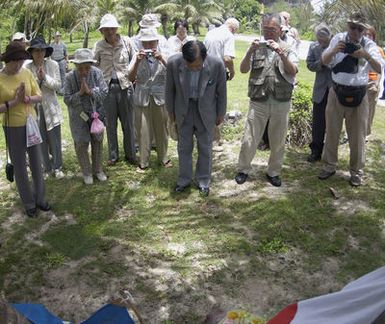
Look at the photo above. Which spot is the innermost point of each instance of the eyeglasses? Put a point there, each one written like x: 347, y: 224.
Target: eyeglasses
x: 357, y: 27
x: 269, y: 29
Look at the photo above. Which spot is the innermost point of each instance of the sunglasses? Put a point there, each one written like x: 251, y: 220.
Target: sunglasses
x: 356, y: 27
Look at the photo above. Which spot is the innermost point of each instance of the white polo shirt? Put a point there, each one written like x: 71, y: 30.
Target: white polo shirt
x: 220, y: 42
x: 360, y: 78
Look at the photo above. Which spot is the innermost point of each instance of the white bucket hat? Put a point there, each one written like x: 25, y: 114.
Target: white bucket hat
x: 149, y: 21
x: 83, y: 55
x: 148, y: 35
x: 108, y: 21
x: 19, y: 36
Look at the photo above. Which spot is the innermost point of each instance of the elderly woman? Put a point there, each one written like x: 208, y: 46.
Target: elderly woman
x: 47, y: 75
x: 180, y: 38
x: 84, y: 92
x: 18, y: 93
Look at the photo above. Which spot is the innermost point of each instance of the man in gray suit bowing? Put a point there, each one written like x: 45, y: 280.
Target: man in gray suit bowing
x: 196, y: 101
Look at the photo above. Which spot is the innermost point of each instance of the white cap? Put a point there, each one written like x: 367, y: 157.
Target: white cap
x: 83, y: 55
x: 149, y: 21
x: 19, y: 36
x: 57, y: 33
x: 148, y: 35
x: 108, y: 21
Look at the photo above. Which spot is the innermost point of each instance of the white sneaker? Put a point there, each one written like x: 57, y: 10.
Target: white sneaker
x: 88, y: 180
x: 59, y: 174
x: 46, y: 175
x: 101, y: 176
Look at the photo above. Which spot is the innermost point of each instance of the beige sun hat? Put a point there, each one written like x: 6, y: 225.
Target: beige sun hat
x: 149, y: 21
x: 148, y: 35
x: 83, y: 55
x: 109, y: 21
x: 19, y: 36
x: 358, y: 18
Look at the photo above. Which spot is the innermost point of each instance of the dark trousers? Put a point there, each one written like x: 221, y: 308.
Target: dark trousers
x: 118, y: 106
x: 318, y: 126
x: 30, y: 193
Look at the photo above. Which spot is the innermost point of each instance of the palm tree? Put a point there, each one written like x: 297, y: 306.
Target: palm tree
x: 337, y: 11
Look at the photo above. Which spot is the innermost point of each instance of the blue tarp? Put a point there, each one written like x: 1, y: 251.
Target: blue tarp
x: 108, y: 314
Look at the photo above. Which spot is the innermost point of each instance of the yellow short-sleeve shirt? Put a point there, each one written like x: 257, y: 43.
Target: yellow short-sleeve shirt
x: 8, y: 85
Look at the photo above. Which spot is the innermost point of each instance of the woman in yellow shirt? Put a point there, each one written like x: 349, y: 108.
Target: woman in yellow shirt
x: 18, y: 93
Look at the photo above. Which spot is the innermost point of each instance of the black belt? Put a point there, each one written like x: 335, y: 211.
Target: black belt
x: 114, y: 81
x: 195, y: 100
x: 347, y: 87
x: 60, y: 59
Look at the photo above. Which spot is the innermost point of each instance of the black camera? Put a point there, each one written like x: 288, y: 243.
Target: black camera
x: 350, y: 48
x: 9, y: 172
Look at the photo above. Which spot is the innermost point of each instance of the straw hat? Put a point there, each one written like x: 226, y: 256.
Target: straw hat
x: 83, y: 55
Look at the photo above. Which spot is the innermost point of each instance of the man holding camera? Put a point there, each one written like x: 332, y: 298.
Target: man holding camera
x: 351, y: 56
x: 273, y: 66
x: 148, y: 71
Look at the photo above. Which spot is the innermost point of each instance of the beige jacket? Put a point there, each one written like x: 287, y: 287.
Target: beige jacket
x: 109, y: 58
x: 52, y: 111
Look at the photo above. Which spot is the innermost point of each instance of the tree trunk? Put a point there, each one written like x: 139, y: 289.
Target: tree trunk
x: 164, y: 20
x: 70, y: 37
x: 86, y: 33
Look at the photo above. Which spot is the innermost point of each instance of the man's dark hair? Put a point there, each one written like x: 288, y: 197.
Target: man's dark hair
x: 192, y: 49
x: 271, y: 16
x: 182, y: 23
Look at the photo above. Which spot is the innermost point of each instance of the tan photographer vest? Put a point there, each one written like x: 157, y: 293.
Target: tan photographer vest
x: 266, y: 80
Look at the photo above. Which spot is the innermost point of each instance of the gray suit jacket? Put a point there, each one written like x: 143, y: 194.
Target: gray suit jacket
x: 323, y: 78
x: 212, y: 90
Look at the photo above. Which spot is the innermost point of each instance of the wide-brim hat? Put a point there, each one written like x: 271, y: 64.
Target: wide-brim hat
x: 39, y: 42
x: 357, y: 18
x: 149, y: 21
x: 15, y: 51
x: 148, y: 35
x: 83, y: 55
x: 108, y: 21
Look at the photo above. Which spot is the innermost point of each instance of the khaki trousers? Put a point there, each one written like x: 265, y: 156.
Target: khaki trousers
x: 153, y: 124
x: 373, y: 90
x: 81, y: 149
x: 277, y: 113
x: 356, y: 120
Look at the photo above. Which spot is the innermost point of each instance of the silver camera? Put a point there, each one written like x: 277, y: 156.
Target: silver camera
x: 148, y: 52
x: 262, y: 44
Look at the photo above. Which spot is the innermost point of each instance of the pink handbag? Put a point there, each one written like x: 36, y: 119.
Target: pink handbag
x: 97, y: 126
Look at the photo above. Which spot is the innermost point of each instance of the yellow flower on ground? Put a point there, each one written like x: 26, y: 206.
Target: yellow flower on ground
x: 242, y: 314
x: 232, y: 315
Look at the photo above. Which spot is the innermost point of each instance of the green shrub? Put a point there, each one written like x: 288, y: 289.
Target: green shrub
x: 300, y: 116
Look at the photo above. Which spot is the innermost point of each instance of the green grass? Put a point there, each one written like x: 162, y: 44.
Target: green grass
x: 178, y: 253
